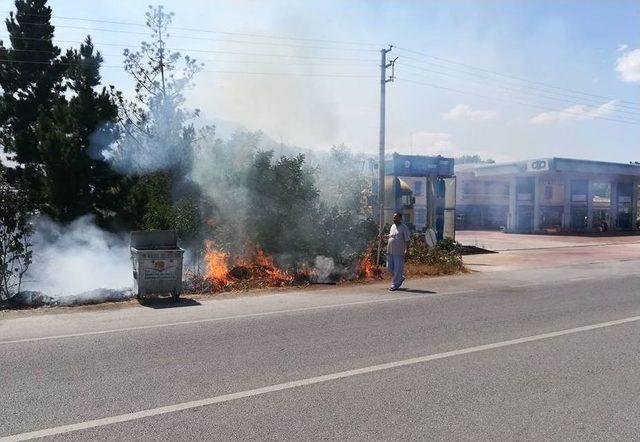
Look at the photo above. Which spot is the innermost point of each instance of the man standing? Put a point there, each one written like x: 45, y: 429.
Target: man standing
x: 399, y: 238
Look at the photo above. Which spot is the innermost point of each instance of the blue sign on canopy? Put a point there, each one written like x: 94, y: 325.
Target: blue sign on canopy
x: 419, y: 165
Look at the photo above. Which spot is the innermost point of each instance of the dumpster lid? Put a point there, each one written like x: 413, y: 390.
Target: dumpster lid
x: 154, y: 239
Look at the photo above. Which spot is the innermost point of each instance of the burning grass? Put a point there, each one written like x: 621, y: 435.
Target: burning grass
x: 367, y: 268
x: 255, y: 269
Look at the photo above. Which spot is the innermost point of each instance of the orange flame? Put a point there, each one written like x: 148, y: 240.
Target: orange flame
x: 264, y: 266
x: 366, y: 267
x: 216, y: 263
x: 255, y: 264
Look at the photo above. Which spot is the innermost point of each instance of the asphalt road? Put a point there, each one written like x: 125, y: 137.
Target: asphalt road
x: 549, y: 353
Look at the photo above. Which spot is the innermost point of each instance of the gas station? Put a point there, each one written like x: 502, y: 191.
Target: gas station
x: 422, y: 188
x: 548, y: 195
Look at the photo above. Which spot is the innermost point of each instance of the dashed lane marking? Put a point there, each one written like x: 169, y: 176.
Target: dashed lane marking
x: 63, y: 429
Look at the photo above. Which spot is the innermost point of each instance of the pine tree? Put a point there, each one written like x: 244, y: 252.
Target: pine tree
x: 73, y: 139
x: 158, y: 136
x: 30, y: 78
x: 157, y: 130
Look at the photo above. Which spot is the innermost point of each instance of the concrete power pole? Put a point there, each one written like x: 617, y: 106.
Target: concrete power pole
x: 381, y: 190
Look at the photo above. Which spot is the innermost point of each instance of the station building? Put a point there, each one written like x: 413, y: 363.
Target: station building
x: 548, y: 195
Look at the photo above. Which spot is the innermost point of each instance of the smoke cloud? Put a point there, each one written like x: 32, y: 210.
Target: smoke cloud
x: 79, y: 262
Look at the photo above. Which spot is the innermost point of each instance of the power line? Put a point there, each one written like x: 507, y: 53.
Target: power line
x: 513, y: 76
x: 218, y: 40
x: 632, y: 110
x: 477, y: 75
x: 347, y: 75
x: 494, y: 98
x: 329, y: 62
x: 332, y: 75
x: 210, y: 31
x: 301, y: 74
x: 523, y: 89
x: 540, y: 84
x: 206, y: 51
x: 621, y: 103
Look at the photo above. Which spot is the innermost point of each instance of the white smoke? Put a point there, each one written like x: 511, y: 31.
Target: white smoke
x: 324, y: 268
x: 71, y: 261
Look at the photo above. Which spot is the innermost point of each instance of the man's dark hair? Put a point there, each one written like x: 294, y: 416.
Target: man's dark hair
x: 397, y: 213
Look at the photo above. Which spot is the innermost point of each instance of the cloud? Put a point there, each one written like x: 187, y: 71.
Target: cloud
x: 574, y: 113
x: 623, y: 47
x: 628, y: 66
x: 464, y: 112
x: 432, y: 140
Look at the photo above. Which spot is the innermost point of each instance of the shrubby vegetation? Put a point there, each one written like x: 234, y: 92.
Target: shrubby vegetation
x: 15, y: 231
x: 80, y: 148
x: 445, y: 258
x: 251, y: 197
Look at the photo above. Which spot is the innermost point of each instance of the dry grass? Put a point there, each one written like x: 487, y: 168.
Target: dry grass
x: 412, y: 269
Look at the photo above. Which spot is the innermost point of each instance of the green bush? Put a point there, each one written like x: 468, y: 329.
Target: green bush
x: 15, y: 232
x: 449, y: 245
x: 447, y: 260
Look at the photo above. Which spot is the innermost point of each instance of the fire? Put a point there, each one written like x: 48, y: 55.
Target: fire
x: 367, y: 269
x: 216, y: 263
x: 254, y: 265
x: 254, y: 268
x: 260, y: 265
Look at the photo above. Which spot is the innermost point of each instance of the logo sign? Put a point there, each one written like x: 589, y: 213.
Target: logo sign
x: 159, y: 265
x: 537, y: 165
x: 407, y: 164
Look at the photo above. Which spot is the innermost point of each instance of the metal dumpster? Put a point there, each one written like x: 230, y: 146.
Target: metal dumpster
x: 157, y: 263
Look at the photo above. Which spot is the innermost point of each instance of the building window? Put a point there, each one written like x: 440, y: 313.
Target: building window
x: 601, y: 193
x: 548, y: 193
x: 551, y: 217
x: 579, y: 190
x: 417, y: 188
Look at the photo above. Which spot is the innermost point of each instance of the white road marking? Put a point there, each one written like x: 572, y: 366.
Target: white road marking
x: 586, y: 278
x: 226, y: 318
x: 301, y: 383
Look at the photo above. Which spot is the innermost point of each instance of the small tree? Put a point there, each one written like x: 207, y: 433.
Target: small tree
x: 284, y: 203
x: 15, y: 231
x: 157, y: 136
x: 156, y: 129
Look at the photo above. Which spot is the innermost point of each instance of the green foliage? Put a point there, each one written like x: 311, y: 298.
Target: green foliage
x: 473, y: 159
x: 157, y: 133
x: 275, y: 203
x: 448, y: 261
x: 54, y: 123
x: 72, y: 139
x: 152, y: 207
x: 30, y: 79
x: 283, y: 202
x: 449, y: 245
x: 157, y: 138
x: 343, y: 235
x: 15, y: 230
x: 340, y: 180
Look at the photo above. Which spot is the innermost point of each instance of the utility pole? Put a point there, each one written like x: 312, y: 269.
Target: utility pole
x: 381, y: 190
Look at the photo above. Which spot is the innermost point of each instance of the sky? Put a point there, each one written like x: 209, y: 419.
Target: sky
x: 505, y: 79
